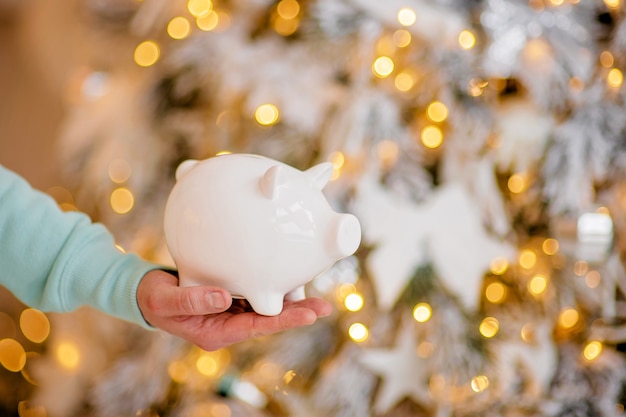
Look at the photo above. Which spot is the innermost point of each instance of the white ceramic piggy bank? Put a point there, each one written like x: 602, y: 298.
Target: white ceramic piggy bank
x: 257, y: 227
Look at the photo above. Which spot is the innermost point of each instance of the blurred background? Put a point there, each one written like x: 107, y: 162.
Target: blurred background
x: 482, y: 145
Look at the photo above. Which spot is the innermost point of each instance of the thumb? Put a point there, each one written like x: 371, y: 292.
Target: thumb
x: 166, y: 298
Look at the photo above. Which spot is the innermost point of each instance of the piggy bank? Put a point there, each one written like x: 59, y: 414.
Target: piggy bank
x: 255, y: 226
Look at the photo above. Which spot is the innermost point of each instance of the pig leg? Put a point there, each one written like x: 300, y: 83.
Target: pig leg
x: 296, y: 295
x: 266, y: 304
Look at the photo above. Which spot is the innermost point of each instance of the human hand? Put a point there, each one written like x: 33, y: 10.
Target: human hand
x: 206, y: 316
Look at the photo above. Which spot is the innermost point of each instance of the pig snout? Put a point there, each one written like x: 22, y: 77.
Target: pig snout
x: 345, y: 235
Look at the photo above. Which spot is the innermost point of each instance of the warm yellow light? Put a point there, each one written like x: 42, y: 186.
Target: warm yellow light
x: 383, y: 66
x: 285, y: 27
x: 612, y: 4
x: 467, y: 40
x: 344, y: 290
x: 68, y: 355
x: 288, y: 9
x: 207, y: 365
x: 34, y: 325
x: 122, y: 200
x: 489, y: 327
x: 353, y: 302
x: 358, y: 332
x: 406, y: 17
x: 223, y: 153
x: 119, y: 171
x: 437, y: 111
x: 499, y: 265
x: 402, y: 38
x: 337, y: 159
x: 387, y: 152
x: 207, y: 22
x: 592, y: 279
x: 147, y: 53
x: 606, y: 59
x: 581, y: 268
x: 266, y: 114
x: 404, y: 81
x: 550, y: 246
x: 516, y: 183
x: 422, y: 312
x: 537, y: 284
x: 495, y: 292
x: 615, y: 78
x: 527, y: 258
x: 178, y: 28
x: 527, y: 333
x: 12, y: 355
x: 425, y: 349
x: 568, y: 318
x: 199, y: 8
x: 479, y: 383
x: 431, y: 137
x: 557, y: 2
x: 178, y: 371
x: 592, y: 350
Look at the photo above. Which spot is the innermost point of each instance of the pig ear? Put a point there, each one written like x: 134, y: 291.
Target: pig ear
x: 184, y: 168
x: 273, y: 178
x: 320, y: 174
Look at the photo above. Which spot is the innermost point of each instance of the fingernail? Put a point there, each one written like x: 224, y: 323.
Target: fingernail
x: 217, y: 300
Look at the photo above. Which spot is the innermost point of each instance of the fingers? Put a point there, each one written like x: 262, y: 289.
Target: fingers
x: 160, y: 294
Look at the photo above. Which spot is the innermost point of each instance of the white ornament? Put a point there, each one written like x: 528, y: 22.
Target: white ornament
x: 256, y: 227
x: 403, y: 372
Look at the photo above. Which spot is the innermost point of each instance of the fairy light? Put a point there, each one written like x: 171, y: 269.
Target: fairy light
x: 266, y: 114
x: 119, y: 171
x: 495, y: 292
x: 466, y: 40
x: 527, y: 333
x: 592, y: 279
x: 337, y: 159
x: 592, y: 350
x: 437, y: 111
x: 477, y: 87
x: 207, y: 22
x: 527, y: 259
x: 581, y: 268
x: 422, y: 312
x: 489, y: 327
x: 12, y: 355
x: 288, y: 9
x: 537, y: 284
x: 557, y: 2
x: 358, y: 332
x: 178, y: 371
x: 68, y: 355
x: 479, y: 383
x: 199, y: 8
x: 499, y: 265
x: 550, y: 246
x: 34, y: 325
x: 402, y: 38
x: 344, y: 290
x: 431, y: 137
x: 178, y: 28
x: 147, y: 53
x: 406, y: 16
x: 516, y: 183
x: 568, y: 318
x: 285, y: 27
x: 404, y: 81
x: 615, y: 78
x: 612, y: 4
x: 207, y: 365
x: 353, y: 302
x: 122, y: 200
x: 425, y: 349
x: 606, y: 59
x: 383, y: 66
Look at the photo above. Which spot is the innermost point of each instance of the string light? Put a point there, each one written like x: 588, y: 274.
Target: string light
x: 537, y: 284
x: 550, y: 246
x: 178, y: 28
x: 422, y: 312
x: 425, y: 349
x: 592, y: 350
x: 12, y: 355
x: 499, y: 265
x: 466, y: 40
x: 404, y: 81
x: 122, y: 200
x: 68, y: 355
x: 489, y: 327
x: 406, y: 17
x: 207, y: 22
x: 178, y: 371
x: 383, y: 66
x: 358, y: 332
x: 615, y: 78
x: 207, y: 365
x: 527, y: 333
x: 437, y: 111
x: 527, y: 259
x: 592, y: 279
x: 581, y: 268
x: 495, y: 292
x: 266, y: 114
x: 606, y: 59
x: 516, y: 183
x: 402, y: 38
x: 479, y: 383
x: 431, y: 137
x: 612, y: 4
x: 199, y: 8
x: 354, y: 302
x: 568, y: 318
x: 34, y: 325
x: 147, y: 53
x: 288, y: 9
x: 119, y: 171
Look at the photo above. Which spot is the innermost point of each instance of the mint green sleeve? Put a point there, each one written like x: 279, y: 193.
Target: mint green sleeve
x: 57, y: 261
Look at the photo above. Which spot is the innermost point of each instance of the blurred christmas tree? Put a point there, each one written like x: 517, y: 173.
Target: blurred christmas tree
x: 481, y: 144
